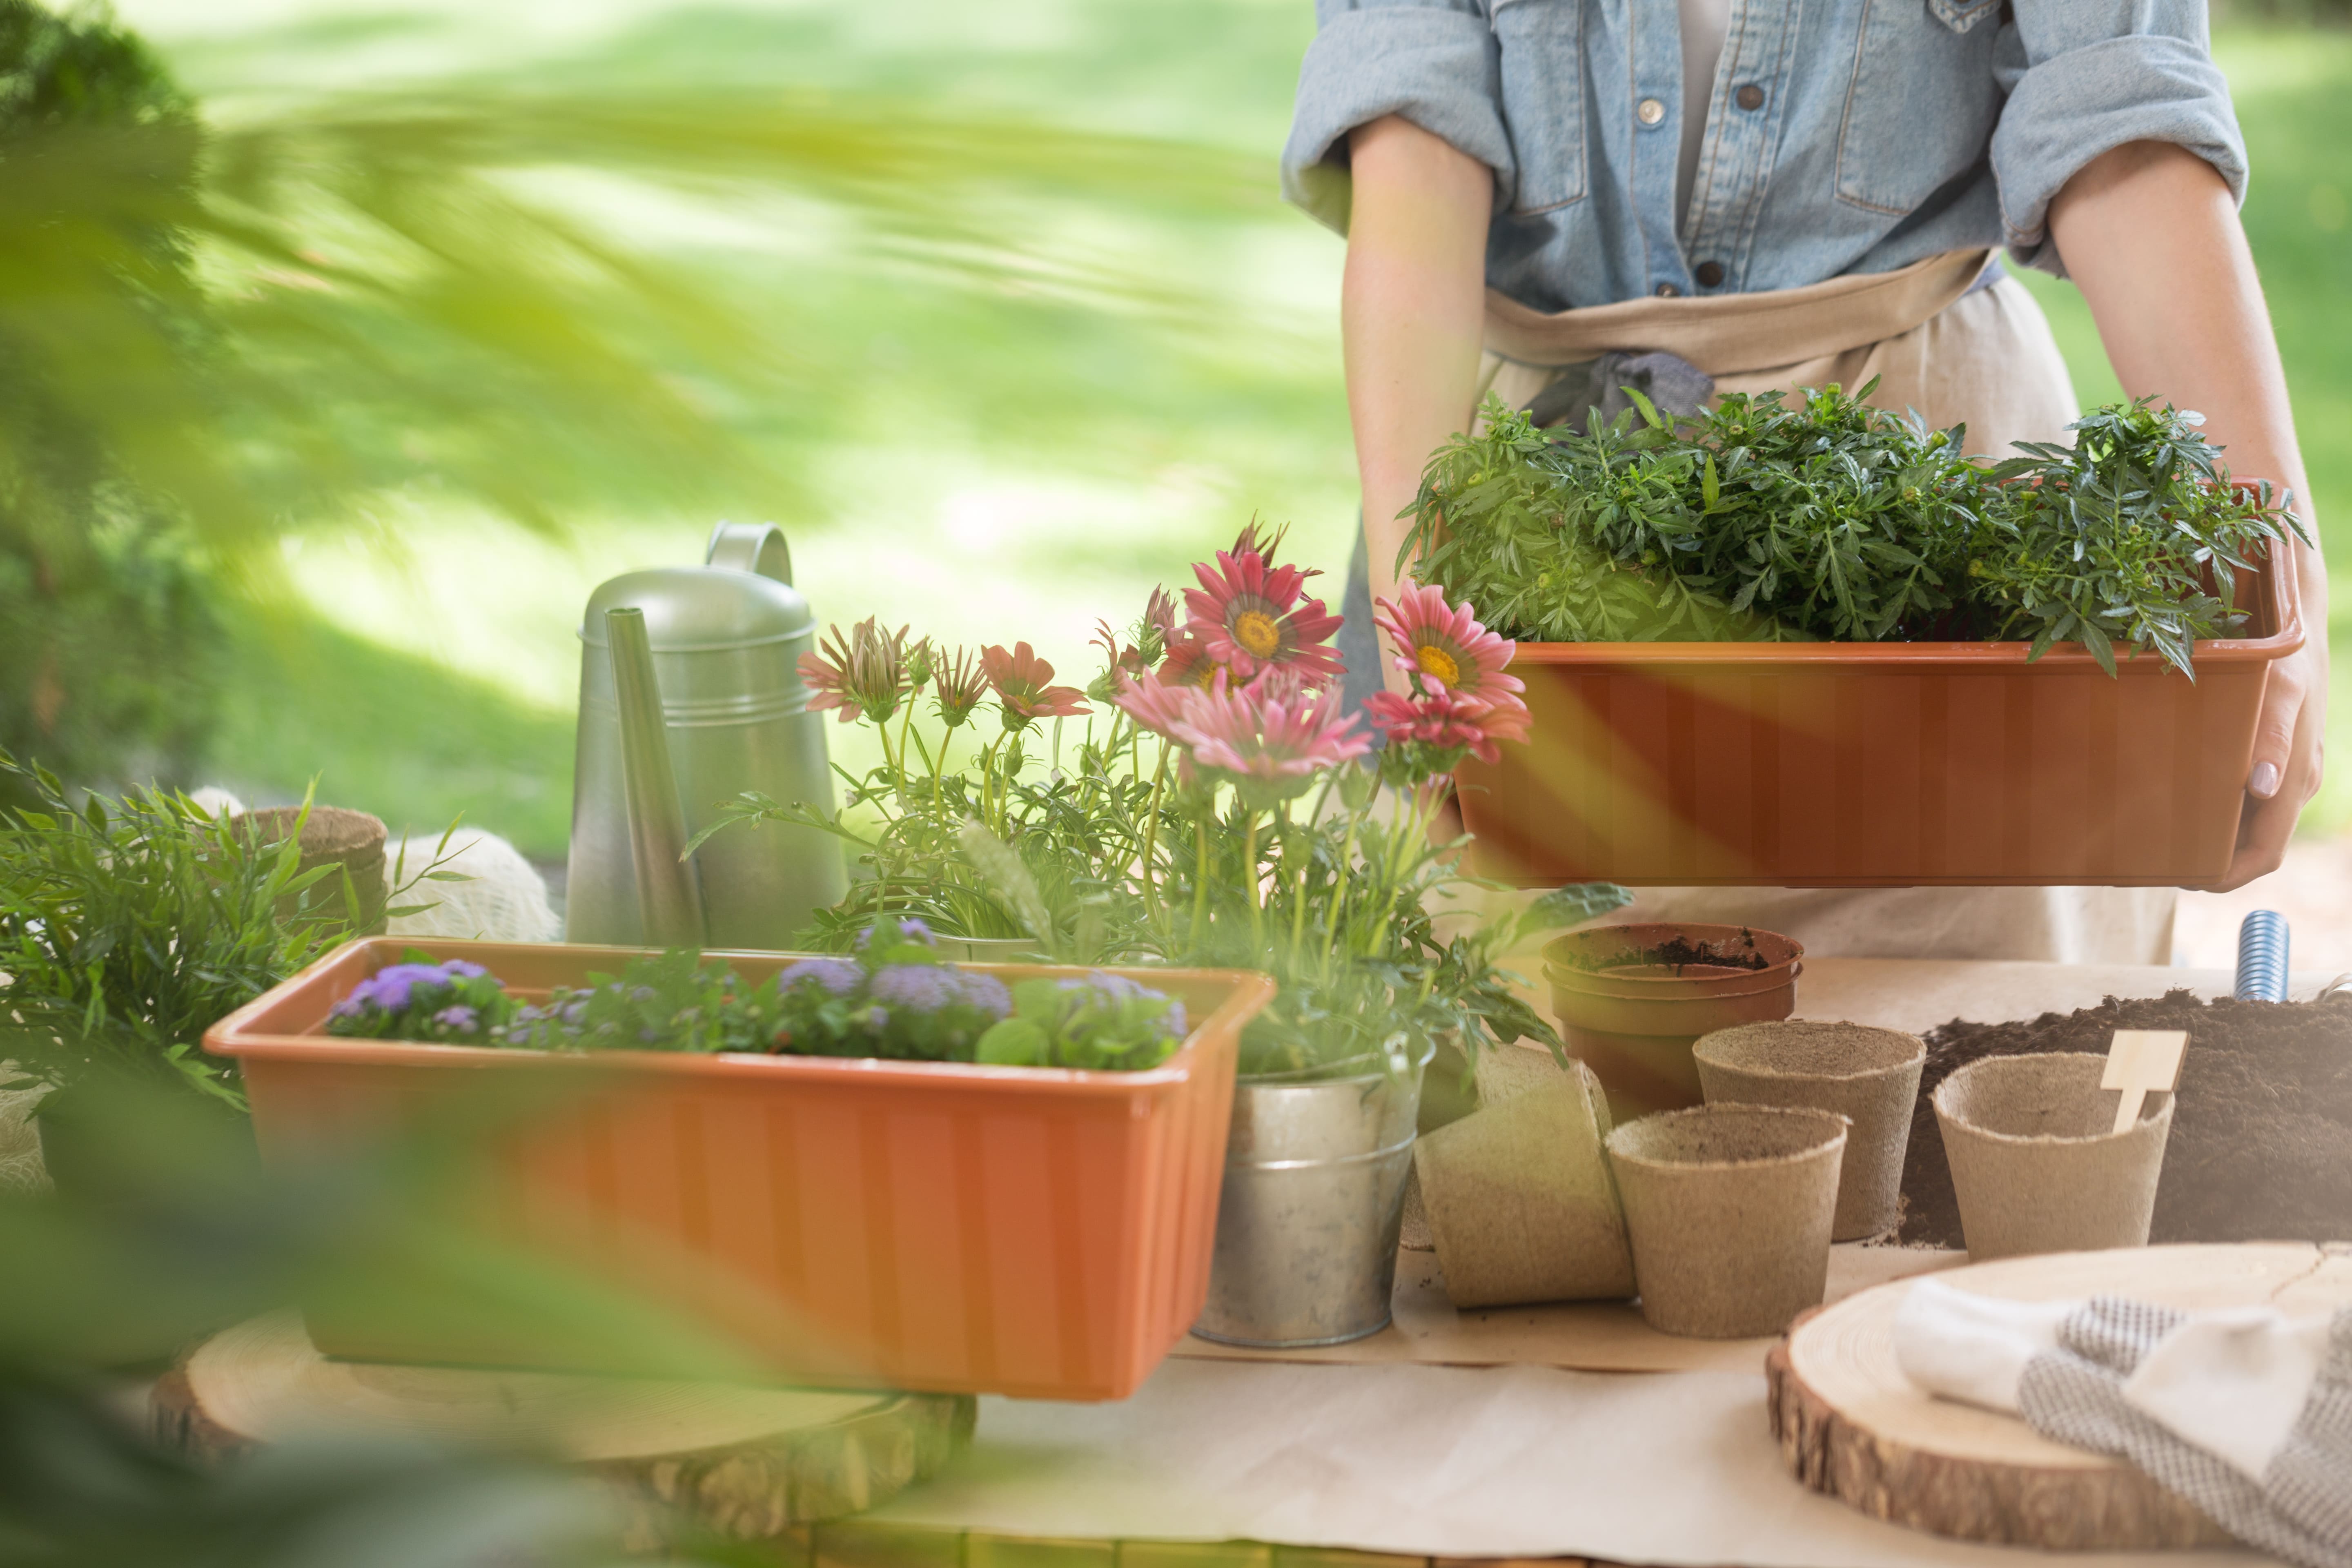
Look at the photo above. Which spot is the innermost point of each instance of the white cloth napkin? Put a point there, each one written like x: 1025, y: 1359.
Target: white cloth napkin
x: 2245, y: 1411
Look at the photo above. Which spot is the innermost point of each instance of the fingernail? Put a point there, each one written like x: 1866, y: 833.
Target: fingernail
x: 2265, y: 781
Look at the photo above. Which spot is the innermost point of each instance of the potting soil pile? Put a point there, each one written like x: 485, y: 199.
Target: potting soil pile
x: 2261, y: 1129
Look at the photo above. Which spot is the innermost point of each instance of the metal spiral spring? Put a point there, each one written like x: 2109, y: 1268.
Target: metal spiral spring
x: 2261, y: 957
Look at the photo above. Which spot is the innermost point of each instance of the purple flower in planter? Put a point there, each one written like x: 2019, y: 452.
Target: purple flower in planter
x: 838, y: 975
x: 459, y: 968
x: 985, y: 991
x: 390, y: 988
x: 925, y: 987
x: 463, y: 1019
x: 910, y: 928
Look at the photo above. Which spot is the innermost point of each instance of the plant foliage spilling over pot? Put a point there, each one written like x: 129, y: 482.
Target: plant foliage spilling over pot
x: 129, y: 926
x: 1822, y: 517
x: 1214, y: 810
x: 894, y: 999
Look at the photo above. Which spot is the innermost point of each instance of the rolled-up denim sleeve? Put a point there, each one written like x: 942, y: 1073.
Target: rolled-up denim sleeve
x: 1433, y: 62
x: 2086, y: 76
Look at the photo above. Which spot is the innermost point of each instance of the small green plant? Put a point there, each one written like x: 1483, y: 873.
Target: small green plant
x: 892, y: 998
x: 1825, y: 517
x: 1098, y: 1021
x: 129, y: 927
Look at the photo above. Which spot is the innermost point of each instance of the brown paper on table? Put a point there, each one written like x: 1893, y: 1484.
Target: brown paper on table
x: 1446, y: 1461
x: 1589, y: 1336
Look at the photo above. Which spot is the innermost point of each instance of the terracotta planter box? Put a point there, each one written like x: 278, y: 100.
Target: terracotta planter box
x: 1877, y: 764
x: 929, y: 1225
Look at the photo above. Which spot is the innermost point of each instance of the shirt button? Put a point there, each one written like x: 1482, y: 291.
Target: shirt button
x: 1750, y: 97
x: 1709, y: 274
x: 1666, y: 290
x: 1649, y: 111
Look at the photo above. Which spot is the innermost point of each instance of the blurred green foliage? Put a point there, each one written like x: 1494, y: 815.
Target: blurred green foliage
x: 176, y: 1233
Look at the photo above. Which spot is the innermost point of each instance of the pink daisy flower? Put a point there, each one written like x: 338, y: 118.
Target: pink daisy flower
x: 1021, y: 679
x: 1268, y: 740
x: 1248, y: 616
x: 1188, y: 663
x: 864, y: 675
x: 1445, y: 645
x: 1154, y: 706
x: 1449, y: 721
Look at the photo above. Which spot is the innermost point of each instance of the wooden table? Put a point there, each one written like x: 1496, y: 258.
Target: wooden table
x: 1399, y: 1465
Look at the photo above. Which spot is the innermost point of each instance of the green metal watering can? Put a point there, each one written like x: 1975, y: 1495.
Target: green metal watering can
x: 690, y: 694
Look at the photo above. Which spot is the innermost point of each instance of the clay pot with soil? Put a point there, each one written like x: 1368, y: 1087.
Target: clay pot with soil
x: 1633, y: 999
x: 2036, y: 1163
x: 1519, y: 1201
x: 1869, y: 1075
x: 1728, y: 1209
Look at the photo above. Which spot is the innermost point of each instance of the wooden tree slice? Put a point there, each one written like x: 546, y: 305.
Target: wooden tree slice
x: 745, y: 1462
x: 1850, y: 1424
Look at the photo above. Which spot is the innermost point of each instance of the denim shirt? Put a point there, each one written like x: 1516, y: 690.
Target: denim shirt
x: 1842, y: 135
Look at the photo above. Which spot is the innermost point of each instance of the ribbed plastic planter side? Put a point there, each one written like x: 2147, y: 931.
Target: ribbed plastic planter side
x: 1867, y: 764
x: 926, y: 1226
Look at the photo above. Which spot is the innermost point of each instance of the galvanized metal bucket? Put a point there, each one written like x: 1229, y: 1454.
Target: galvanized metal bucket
x: 1313, y: 1195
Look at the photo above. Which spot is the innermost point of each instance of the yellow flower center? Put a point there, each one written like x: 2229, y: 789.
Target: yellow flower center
x: 1434, y: 661
x: 1256, y: 630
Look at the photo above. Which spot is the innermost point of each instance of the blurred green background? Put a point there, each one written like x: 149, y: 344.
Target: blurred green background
x: 998, y: 388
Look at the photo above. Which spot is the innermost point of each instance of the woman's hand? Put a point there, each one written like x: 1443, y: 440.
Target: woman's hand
x: 1413, y: 312
x: 2149, y: 233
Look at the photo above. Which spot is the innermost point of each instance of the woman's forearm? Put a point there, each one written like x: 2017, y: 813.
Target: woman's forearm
x: 2150, y: 235
x: 1412, y: 309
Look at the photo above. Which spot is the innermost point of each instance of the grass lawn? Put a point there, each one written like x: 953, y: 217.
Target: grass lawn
x: 989, y: 462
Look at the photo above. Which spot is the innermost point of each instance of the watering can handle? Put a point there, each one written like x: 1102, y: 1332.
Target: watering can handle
x: 755, y: 547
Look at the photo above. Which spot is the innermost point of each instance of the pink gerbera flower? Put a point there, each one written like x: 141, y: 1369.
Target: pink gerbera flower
x: 864, y: 674
x: 1155, y: 706
x: 1022, y: 681
x: 1445, y: 645
x: 962, y: 683
x: 1248, y: 616
x: 1188, y: 663
x: 1450, y: 720
x: 1272, y: 742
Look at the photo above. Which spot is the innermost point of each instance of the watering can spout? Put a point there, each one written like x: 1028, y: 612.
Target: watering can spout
x: 669, y: 892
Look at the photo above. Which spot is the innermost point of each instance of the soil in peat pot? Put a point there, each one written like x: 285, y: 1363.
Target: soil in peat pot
x: 2262, y: 1130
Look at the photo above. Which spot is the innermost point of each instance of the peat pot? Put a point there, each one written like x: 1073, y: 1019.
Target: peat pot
x: 941, y: 1226
x: 1869, y: 1075
x: 1313, y: 1201
x: 1633, y: 1022
x: 1519, y: 1200
x: 2036, y: 1163
x: 1729, y: 1208
x: 347, y: 841
x: 1821, y: 764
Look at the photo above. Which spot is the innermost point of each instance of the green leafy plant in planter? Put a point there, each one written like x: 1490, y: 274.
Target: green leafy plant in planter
x: 894, y: 998
x: 129, y: 926
x: 1824, y: 517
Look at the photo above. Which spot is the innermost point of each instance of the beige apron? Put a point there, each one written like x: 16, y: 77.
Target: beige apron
x: 1985, y: 358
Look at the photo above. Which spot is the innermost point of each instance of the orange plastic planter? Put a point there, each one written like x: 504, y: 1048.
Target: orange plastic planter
x: 933, y: 1225
x: 1877, y: 764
